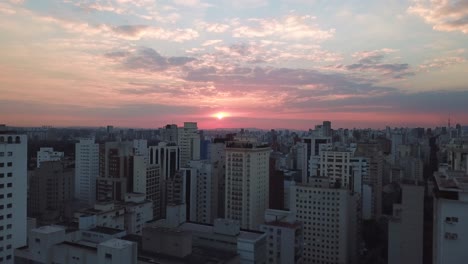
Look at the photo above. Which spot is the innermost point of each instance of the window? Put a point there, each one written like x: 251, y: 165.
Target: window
x: 9, y: 184
x: 9, y: 174
x: 108, y: 256
x: 9, y: 164
x: 10, y: 154
x: 37, y: 240
x: 9, y: 195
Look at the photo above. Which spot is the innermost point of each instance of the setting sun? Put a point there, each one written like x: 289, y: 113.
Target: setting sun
x: 220, y: 116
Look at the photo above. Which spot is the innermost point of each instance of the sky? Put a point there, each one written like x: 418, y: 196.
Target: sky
x: 261, y: 63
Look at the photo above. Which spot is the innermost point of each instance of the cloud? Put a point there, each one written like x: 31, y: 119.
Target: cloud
x: 127, y: 32
x: 211, y: 42
x: 443, y: 15
x: 211, y: 27
x: 374, y: 62
x: 148, y: 59
x: 440, y: 63
x: 291, y: 27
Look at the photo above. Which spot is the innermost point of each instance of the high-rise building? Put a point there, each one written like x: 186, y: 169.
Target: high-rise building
x: 50, y: 191
x: 326, y: 129
x: 247, y: 182
x: 13, y: 196
x: 201, y: 191
x: 450, y: 214
x: 169, y: 133
x: 86, y: 171
x: 330, y: 221
x: 48, y: 154
x: 165, y: 158
x: 189, y: 143
x: 115, y: 170
x: 405, y: 228
x: 217, y: 157
x: 314, y: 146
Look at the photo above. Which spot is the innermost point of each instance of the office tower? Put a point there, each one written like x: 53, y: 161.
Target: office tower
x: 217, y: 157
x: 326, y: 129
x: 405, y: 228
x: 276, y: 186
x: 115, y: 170
x: 374, y: 177
x: 201, y: 191
x: 314, y: 146
x: 48, y: 154
x: 86, y: 170
x: 284, y: 237
x: 330, y: 221
x: 50, y: 192
x: 189, y: 143
x: 147, y: 180
x: 299, y: 159
x: 450, y: 214
x: 164, y: 157
x: 247, y: 174
x: 169, y: 134
x: 457, y: 154
x: 397, y: 140
x: 13, y: 196
x: 167, y: 157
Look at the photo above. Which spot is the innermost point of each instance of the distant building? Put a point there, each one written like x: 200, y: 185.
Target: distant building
x: 86, y: 171
x: 115, y: 170
x: 169, y: 133
x: 13, y: 196
x: 189, y: 143
x: 51, y: 192
x: 284, y: 237
x: 48, y: 154
x: 247, y: 182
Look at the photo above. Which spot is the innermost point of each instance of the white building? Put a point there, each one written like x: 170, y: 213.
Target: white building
x: 330, y: 219
x: 450, y: 216
x: 138, y: 211
x: 53, y: 244
x: 284, y: 237
x: 13, y: 196
x: 86, y: 170
x: 405, y: 228
x: 48, y: 154
x: 247, y: 182
x: 189, y: 143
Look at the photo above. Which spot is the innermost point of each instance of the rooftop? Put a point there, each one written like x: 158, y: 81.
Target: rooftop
x: 106, y: 230
x: 117, y: 243
x: 48, y: 229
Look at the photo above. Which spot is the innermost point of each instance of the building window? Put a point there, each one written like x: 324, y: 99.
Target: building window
x: 108, y: 256
x: 9, y: 164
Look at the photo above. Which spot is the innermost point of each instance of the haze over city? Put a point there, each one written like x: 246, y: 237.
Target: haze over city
x: 264, y: 64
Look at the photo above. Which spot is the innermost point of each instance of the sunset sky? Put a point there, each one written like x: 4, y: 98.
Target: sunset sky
x: 264, y: 64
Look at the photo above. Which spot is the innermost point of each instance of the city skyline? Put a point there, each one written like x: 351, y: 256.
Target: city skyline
x: 263, y: 64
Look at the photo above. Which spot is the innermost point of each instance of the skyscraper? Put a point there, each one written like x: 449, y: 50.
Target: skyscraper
x: 13, y: 196
x: 189, y: 143
x: 247, y: 182
x: 86, y: 170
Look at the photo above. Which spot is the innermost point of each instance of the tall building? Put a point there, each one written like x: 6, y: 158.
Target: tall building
x: 326, y: 129
x: 247, y: 182
x: 405, y: 228
x: 189, y: 143
x: 217, y: 157
x: 450, y: 214
x: 374, y: 177
x: 330, y: 221
x: 50, y: 192
x: 86, y: 170
x: 169, y: 133
x: 201, y: 191
x: 48, y: 154
x: 165, y: 157
x: 115, y: 170
x: 314, y: 146
x: 13, y: 196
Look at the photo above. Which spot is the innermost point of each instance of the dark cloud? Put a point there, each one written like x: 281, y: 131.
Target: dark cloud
x: 129, y: 30
x: 149, y: 59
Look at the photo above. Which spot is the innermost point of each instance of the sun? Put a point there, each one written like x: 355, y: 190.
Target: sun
x: 220, y: 116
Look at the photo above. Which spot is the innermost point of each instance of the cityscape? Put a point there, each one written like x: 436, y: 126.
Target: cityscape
x: 233, y: 132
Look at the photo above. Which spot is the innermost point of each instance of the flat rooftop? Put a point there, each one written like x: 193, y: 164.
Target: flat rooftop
x: 106, y: 230
x: 117, y: 243
x: 455, y: 181
x: 244, y: 234
x: 48, y: 229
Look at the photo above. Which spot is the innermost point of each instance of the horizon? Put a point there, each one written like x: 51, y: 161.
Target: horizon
x: 234, y: 64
